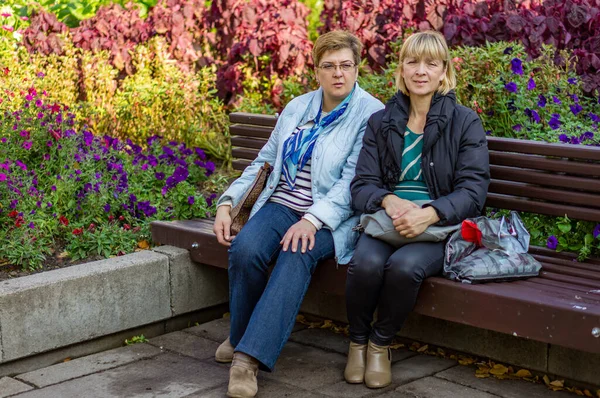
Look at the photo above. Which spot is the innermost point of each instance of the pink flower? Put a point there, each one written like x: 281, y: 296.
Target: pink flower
x: 24, y: 19
x: 8, y: 28
x: 6, y: 15
x: 27, y: 145
x: 3, y: 177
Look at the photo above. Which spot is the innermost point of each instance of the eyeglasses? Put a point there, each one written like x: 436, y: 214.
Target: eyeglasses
x: 330, y: 67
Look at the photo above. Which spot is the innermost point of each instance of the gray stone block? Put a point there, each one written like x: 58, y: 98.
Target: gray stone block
x: 322, y: 338
x: 10, y: 387
x: 166, y: 375
x: 193, y: 286
x: 87, y: 365
x: 432, y: 387
x: 418, y: 367
x: 186, y: 344
x: 343, y: 389
x: 217, y: 330
x: 465, y: 375
x: 266, y: 389
x: 575, y: 365
x: 486, y: 343
x: 45, y: 311
x: 307, y: 367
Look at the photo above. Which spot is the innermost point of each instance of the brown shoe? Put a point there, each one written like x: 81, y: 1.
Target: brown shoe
x: 378, y: 373
x: 224, y: 353
x: 355, y: 367
x: 242, y: 376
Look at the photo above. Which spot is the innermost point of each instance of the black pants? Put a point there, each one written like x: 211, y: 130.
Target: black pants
x: 382, y: 277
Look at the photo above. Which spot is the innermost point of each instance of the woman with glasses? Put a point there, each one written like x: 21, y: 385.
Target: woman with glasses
x: 302, y: 217
x: 423, y: 147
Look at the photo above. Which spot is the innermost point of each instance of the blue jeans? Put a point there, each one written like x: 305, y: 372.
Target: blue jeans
x: 263, y: 310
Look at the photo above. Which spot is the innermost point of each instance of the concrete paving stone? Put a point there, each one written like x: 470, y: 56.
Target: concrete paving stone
x: 266, y: 389
x: 217, y: 330
x: 465, y: 375
x: 186, y: 344
x: 343, y: 389
x: 307, y: 367
x: 166, y: 376
x: 432, y: 387
x: 10, y: 386
x: 87, y: 365
x: 418, y: 367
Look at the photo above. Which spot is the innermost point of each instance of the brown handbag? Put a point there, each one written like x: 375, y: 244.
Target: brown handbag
x: 241, y: 212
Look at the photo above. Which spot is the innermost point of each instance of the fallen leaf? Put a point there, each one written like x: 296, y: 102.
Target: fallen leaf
x: 482, y: 375
x: 66, y: 359
x: 441, y: 352
x: 523, y: 373
x: 327, y: 324
x: 558, y: 383
x: 466, y: 361
x: 546, y: 380
x: 424, y: 348
x: 300, y: 318
x: 226, y: 315
x: 498, y: 370
x: 587, y: 393
x: 143, y: 244
x: 64, y: 254
x: 396, y: 346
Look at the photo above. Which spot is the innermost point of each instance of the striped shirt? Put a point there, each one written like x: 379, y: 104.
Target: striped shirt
x: 411, y: 185
x: 299, y: 198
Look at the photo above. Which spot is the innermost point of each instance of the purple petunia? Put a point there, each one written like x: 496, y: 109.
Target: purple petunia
x: 3, y: 177
x: 556, y: 100
x: 530, y: 84
x: 516, y: 65
x: 541, y: 101
x: 572, y: 80
x: 588, y: 135
x: 554, y: 122
x: 517, y: 127
x: 576, y: 109
x: 563, y: 138
x: 511, y: 87
x: 595, y: 118
x: 159, y: 176
x: 191, y: 200
x: 552, y: 242
x: 596, y: 232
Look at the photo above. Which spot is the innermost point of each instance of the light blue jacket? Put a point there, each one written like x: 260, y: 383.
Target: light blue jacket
x: 332, y: 163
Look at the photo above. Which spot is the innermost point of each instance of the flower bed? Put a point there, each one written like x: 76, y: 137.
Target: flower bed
x: 63, y: 187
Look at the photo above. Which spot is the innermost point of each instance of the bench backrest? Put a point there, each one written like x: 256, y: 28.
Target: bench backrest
x: 529, y: 176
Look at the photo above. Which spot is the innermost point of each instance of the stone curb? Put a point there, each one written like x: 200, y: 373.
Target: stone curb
x: 54, y: 309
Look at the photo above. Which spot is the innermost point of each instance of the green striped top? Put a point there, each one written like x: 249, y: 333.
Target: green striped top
x: 412, y: 185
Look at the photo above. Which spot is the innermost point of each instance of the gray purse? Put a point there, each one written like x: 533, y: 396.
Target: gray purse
x: 379, y: 225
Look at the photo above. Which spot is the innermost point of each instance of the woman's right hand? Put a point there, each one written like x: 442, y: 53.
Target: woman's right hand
x: 396, y: 207
x: 222, y: 225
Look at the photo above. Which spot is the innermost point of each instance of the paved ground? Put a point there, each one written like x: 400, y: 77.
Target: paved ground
x: 181, y: 364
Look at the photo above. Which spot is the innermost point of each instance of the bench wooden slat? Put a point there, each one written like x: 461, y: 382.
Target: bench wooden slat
x: 515, y: 203
x: 250, y: 131
x: 543, y: 148
x: 564, y: 285
x: 545, y: 179
x: 240, y: 164
x: 543, y: 193
x: 248, y: 142
x: 589, y: 266
x: 252, y: 118
x: 537, y: 162
x: 244, y: 153
x: 574, y: 280
x: 571, y: 271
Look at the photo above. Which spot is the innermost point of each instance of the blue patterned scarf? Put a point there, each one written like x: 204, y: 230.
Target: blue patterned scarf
x: 297, y: 149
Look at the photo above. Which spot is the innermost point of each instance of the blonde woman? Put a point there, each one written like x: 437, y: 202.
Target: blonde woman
x: 422, y: 147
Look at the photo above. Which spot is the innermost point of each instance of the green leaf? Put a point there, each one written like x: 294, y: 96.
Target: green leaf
x: 564, y: 228
x: 588, y: 239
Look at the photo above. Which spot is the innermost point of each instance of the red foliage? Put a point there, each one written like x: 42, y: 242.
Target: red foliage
x: 42, y: 33
x: 181, y: 22
x: 115, y: 29
x: 250, y: 29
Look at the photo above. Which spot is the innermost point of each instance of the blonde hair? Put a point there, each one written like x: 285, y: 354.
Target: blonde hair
x: 427, y: 44
x: 336, y: 40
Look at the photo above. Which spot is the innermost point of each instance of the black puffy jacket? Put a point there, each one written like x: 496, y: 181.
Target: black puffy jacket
x: 455, y: 158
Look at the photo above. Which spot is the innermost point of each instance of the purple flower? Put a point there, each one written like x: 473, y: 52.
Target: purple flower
x: 541, y: 101
x: 517, y: 127
x: 210, y: 199
x: 572, y: 80
x: 588, y: 135
x: 595, y: 118
x: 596, y: 232
x: 31, y: 225
x: 159, y: 176
x: 508, y: 51
x: 574, y: 97
x: 530, y: 84
x: 191, y: 200
x: 27, y: 145
x: 511, y: 87
x: 552, y: 242
x: 556, y: 100
x: 3, y: 177
x: 53, y: 187
x: 516, y: 65
x: 575, y: 109
x: 554, y: 122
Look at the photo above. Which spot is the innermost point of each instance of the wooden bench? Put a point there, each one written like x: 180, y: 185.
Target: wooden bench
x: 561, y: 306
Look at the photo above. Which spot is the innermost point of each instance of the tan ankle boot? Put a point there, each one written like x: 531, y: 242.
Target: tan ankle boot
x: 378, y: 373
x: 355, y: 367
x: 242, y: 376
x: 224, y: 353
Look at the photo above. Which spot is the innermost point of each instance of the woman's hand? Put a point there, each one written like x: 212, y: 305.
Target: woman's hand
x: 415, y: 221
x: 303, y: 231
x: 396, y: 207
x: 222, y: 225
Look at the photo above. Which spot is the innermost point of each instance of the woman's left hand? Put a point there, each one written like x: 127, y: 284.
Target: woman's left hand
x: 303, y: 231
x: 415, y: 221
